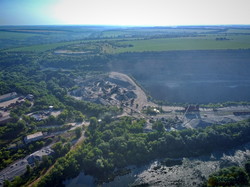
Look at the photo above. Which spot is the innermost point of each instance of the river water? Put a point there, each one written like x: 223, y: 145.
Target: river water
x: 190, y: 76
x: 192, y: 171
x: 202, y: 92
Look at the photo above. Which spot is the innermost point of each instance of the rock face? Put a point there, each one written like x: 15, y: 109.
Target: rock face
x: 192, y: 172
x: 187, y: 174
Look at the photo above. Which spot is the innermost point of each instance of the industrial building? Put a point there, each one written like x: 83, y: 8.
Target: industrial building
x: 33, y: 137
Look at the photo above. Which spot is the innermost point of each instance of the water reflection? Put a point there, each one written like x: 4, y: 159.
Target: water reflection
x: 209, y: 91
x: 80, y: 181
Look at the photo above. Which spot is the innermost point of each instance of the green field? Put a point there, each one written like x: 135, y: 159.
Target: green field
x: 25, y: 36
x: 119, y: 40
x: 242, y: 31
x: 153, y: 32
x: 15, y: 35
x: 41, y: 48
x: 170, y: 44
x: 74, y: 45
x: 163, y: 44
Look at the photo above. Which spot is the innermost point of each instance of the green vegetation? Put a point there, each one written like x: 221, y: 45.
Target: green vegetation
x: 241, y: 31
x: 59, y: 148
x: 12, y: 37
x: 121, y: 143
x: 42, y: 39
x: 155, y: 32
x: 232, y: 176
x: 40, y: 48
x: 15, y: 35
x: 21, y: 73
x: 171, y: 44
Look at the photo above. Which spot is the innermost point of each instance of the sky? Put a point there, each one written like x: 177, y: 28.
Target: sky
x: 125, y: 12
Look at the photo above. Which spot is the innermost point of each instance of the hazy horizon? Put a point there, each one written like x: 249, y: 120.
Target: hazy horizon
x: 99, y: 25
x: 124, y: 13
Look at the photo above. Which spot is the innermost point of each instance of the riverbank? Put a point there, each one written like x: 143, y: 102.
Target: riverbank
x: 192, y: 172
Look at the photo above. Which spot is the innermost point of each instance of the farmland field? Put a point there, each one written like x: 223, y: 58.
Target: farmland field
x: 198, y: 43
x: 14, y: 35
x: 40, y: 48
x: 119, y: 40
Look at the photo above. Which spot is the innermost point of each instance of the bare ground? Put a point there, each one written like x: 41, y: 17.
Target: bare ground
x: 142, y: 99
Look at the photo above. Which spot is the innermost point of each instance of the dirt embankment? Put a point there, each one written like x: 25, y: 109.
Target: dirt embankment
x: 142, y: 99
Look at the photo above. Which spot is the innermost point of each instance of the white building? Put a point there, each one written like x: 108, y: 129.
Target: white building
x: 33, y: 137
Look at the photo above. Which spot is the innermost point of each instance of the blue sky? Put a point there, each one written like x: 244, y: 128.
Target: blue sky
x: 26, y: 12
x: 124, y: 12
